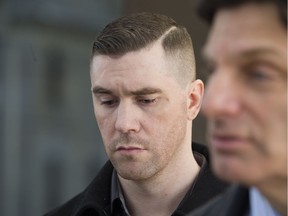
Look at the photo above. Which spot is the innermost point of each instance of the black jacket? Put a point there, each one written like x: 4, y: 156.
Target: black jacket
x: 235, y: 201
x: 95, y: 199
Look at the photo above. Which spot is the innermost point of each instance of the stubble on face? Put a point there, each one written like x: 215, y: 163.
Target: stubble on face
x: 159, y: 151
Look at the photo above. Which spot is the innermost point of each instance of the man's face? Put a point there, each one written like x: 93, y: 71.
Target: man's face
x: 246, y: 95
x: 141, y: 111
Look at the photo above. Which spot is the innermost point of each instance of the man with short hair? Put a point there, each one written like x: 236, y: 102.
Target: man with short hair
x: 145, y: 96
x: 246, y: 105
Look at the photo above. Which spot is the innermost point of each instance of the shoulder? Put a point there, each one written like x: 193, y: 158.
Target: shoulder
x: 65, y: 209
x: 95, y: 198
x: 212, y: 208
x: 234, y: 201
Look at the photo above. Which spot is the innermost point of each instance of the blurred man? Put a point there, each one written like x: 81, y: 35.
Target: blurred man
x: 246, y: 105
x: 145, y: 97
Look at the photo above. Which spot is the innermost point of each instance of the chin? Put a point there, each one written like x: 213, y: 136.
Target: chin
x: 132, y: 176
x: 135, y: 173
x: 229, y: 172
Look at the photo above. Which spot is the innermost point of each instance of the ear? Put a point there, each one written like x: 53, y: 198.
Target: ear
x: 194, y: 98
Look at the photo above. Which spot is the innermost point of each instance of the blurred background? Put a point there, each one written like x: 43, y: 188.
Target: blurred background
x: 50, y: 147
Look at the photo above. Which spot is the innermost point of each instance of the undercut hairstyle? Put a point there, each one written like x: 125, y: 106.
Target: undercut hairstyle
x: 208, y: 8
x: 140, y: 30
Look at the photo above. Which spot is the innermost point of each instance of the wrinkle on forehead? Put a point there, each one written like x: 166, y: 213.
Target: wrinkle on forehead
x: 245, y: 28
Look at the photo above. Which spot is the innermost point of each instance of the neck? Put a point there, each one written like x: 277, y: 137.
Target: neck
x: 276, y: 194
x: 161, y: 194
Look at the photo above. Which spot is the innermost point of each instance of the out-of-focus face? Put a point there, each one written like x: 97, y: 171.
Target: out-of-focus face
x: 246, y: 94
x: 142, y: 112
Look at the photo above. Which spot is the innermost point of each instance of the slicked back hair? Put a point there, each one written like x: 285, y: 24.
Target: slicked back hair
x: 139, y: 30
x: 208, y: 8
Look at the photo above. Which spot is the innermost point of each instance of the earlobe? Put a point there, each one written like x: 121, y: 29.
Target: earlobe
x: 194, y: 98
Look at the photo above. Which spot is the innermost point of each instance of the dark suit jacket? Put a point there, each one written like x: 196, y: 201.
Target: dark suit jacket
x: 233, y: 202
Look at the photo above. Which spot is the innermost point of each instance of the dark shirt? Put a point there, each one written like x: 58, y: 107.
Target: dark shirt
x: 117, y: 197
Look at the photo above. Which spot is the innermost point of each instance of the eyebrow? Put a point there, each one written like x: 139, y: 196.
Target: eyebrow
x: 258, y: 53
x: 142, y: 91
x: 146, y: 91
x: 100, y: 90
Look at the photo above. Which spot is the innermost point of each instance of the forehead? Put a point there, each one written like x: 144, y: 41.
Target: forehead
x: 246, y: 28
x: 143, y: 68
x: 149, y: 57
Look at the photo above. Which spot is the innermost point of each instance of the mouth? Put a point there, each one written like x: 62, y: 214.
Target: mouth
x: 129, y: 149
x: 228, y: 143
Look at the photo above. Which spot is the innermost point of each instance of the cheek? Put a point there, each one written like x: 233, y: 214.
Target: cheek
x: 172, y: 129
x: 268, y: 121
x: 272, y: 121
x: 276, y: 137
x: 105, y: 124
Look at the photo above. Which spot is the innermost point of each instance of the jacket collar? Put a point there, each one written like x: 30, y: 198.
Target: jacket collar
x: 96, y: 196
x: 238, y: 202
x: 204, y: 179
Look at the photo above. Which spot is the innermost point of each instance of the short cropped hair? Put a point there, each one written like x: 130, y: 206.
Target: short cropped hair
x: 139, y: 30
x: 208, y: 8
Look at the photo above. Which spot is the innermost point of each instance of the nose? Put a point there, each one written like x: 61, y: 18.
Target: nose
x: 221, y: 97
x: 126, y: 118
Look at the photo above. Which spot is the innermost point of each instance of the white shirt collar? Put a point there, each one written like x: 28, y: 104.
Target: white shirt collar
x: 259, y: 205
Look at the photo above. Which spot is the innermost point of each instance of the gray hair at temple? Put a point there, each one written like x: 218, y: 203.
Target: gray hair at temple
x: 140, y: 30
x: 208, y: 8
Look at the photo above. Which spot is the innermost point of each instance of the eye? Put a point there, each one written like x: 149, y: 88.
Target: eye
x: 147, y: 101
x: 108, y: 101
x: 258, y: 73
